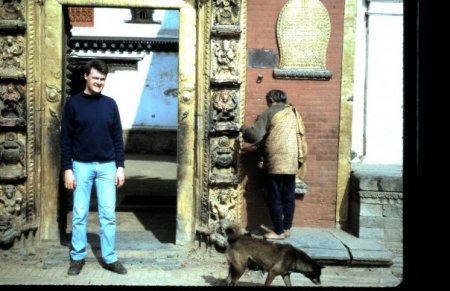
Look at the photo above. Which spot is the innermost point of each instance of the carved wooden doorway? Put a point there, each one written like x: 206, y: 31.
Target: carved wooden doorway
x: 52, y: 63
x: 211, y: 72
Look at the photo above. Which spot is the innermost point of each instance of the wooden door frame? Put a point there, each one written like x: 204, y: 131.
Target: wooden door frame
x: 45, y: 39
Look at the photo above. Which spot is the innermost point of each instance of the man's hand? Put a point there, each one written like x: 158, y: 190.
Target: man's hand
x: 120, y: 177
x: 246, y: 148
x: 69, y: 180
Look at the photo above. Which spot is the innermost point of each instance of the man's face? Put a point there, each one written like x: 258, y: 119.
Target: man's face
x: 95, y: 82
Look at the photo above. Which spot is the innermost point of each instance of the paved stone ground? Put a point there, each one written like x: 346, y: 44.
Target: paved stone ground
x: 145, y: 246
x: 166, y: 265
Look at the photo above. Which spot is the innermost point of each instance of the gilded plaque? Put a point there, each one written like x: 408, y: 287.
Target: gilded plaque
x: 303, y: 32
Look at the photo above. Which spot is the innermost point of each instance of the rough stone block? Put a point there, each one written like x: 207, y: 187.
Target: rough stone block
x: 371, y: 210
x: 369, y: 232
x: 393, y: 223
x: 372, y: 221
x: 395, y: 211
x: 393, y: 235
x: 377, y: 177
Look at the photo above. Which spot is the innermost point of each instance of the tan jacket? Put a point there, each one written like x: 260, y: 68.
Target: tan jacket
x: 281, y: 130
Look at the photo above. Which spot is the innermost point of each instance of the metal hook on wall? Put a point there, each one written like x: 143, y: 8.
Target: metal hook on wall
x: 259, y: 79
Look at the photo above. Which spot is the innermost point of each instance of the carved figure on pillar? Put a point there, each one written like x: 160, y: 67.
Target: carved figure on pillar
x: 11, y: 202
x: 12, y: 61
x: 12, y: 104
x: 222, y: 207
x: 11, y: 10
x: 223, y: 162
x: 225, y: 70
x: 224, y: 111
x: 225, y: 14
x: 12, y: 157
x: 12, y: 213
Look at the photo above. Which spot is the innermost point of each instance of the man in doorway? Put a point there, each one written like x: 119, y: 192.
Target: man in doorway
x: 279, y: 132
x: 92, y: 151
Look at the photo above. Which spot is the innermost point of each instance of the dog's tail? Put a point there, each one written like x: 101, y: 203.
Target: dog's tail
x: 232, y: 230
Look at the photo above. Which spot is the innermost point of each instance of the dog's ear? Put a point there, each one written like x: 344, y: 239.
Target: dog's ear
x: 322, y: 267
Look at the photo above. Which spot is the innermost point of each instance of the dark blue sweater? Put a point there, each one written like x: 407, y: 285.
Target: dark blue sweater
x: 91, y: 131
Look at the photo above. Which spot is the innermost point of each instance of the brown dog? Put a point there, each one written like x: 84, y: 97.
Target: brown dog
x: 275, y: 258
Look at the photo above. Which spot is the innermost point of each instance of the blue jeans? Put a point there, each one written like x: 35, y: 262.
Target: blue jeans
x: 281, y: 201
x: 103, y: 174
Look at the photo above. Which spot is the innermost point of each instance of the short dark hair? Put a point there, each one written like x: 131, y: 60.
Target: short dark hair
x: 97, y: 64
x: 276, y: 96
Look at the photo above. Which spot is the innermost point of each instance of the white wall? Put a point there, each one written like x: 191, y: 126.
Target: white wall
x: 377, y: 127
x: 142, y: 95
x: 111, y: 22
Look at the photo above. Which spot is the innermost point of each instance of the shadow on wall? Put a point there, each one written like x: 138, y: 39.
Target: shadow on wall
x: 257, y: 211
x: 151, y: 141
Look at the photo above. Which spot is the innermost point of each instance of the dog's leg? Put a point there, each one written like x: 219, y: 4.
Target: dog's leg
x: 228, y: 280
x: 235, y: 272
x: 270, y: 278
x: 287, y: 279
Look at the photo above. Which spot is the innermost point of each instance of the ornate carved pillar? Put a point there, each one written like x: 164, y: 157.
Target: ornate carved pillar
x: 224, y: 90
x: 18, y: 222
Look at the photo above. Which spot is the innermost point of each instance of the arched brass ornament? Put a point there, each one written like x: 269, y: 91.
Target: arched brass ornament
x: 303, y: 33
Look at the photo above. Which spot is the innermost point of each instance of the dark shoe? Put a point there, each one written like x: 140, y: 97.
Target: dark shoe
x: 75, y: 267
x: 116, y: 267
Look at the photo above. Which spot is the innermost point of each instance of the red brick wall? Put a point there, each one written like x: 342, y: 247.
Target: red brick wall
x: 317, y: 101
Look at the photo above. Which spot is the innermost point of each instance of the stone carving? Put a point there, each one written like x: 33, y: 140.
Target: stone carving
x: 11, y: 202
x: 12, y: 213
x: 224, y: 111
x: 53, y: 93
x: 226, y: 17
x: 11, y: 10
x: 222, y: 209
x: 11, y: 15
x: 12, y: 64
x: 12, y: 157
x: 225, y: 63
x: 303, y: 32
x: 223, y: 164
x: 226, y: 13
x: 12, y: 103
x: 223, y: 205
